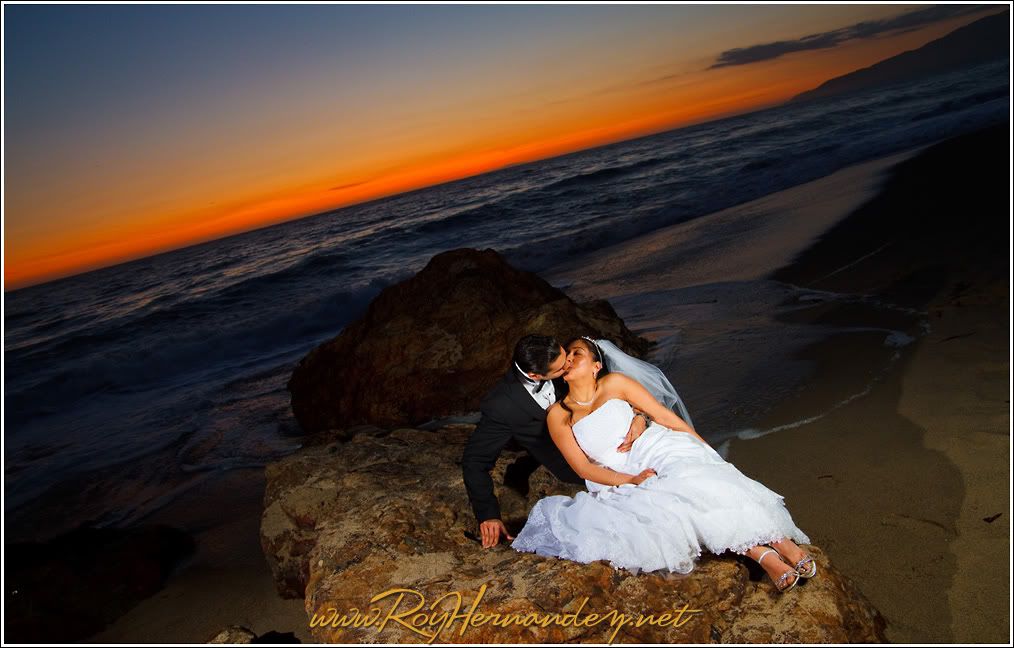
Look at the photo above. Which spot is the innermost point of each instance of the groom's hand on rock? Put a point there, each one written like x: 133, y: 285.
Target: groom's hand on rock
x: 490, y: 531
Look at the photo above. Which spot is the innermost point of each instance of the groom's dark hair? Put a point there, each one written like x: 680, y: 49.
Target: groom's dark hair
x: 534, y: 353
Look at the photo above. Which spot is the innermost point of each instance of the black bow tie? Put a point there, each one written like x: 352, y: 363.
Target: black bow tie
x: 542, y: 383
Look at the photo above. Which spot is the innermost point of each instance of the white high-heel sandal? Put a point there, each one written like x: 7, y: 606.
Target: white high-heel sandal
x: 780, y: 583
x: 807, y: 566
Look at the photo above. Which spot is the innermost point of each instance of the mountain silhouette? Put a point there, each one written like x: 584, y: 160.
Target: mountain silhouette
x: 984, y: 40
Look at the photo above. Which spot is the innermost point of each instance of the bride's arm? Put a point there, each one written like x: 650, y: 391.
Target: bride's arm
x: 634, y: 393
x: 563, y: 437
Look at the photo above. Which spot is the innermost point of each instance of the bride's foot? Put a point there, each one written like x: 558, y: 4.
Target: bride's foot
x: 783, y: 575
x: 802, y: 561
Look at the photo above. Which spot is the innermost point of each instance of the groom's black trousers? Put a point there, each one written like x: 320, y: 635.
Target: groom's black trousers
x: 508, y: 411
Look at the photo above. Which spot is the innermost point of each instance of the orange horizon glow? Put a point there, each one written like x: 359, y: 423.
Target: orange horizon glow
x: 461, y: 145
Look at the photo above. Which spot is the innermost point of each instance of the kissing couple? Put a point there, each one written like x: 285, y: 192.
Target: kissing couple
x: 657, y: 495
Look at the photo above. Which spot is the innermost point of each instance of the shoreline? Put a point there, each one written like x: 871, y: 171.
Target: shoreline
x: 806, y: 211
x: 703, y: 290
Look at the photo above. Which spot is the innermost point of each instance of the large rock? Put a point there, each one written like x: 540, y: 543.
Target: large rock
x: 346, y: 521
x: 433, y: 345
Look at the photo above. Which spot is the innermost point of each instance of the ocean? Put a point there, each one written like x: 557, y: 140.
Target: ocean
x: 127, y: 386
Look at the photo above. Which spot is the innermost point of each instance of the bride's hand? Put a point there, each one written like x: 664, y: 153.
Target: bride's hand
x: 641, y: 476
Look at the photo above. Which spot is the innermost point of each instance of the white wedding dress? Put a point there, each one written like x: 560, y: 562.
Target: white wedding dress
x: 697, y: 501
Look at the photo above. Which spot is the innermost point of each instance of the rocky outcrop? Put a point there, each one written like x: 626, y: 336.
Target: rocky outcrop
x: 350, y: 520
x: 234, y: 634
x: 433, y: 345
x: 237, y: 634
x: 74, y: 585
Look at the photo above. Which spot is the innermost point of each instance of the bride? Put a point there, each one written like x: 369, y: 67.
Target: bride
x: 667, y: 499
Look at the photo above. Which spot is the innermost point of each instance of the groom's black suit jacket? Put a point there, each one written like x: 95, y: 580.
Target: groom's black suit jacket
x: 509, y: 411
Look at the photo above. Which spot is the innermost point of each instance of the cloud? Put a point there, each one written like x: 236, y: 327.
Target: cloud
x: 349, y: 186
x: 868, y: 29
x: 689, y: 79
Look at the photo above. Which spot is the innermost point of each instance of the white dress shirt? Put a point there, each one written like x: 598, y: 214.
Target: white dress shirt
x: 544, y: 398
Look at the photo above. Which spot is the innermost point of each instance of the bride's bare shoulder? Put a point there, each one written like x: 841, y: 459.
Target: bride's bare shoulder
x: 556, y: 418
x: 555, y: 411
x: 615, y: 383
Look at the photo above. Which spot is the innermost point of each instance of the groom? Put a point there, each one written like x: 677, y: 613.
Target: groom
x: 516, y: 408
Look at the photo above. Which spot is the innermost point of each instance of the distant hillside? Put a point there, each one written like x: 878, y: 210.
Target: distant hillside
x: 984, y: 40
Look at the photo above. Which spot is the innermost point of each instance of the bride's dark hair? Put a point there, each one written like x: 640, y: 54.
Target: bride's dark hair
x: 597, y: 356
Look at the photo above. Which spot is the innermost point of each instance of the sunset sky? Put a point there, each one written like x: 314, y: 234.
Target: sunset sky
x: 130, y: 130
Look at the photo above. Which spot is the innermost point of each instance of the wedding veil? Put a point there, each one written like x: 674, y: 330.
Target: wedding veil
x: 650, y: 377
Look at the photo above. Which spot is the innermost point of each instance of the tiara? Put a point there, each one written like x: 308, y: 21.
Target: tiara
x: 594, y: 344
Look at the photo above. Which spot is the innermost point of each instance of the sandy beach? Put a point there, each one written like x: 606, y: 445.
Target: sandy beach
x: 905, y: 486
x: 902, y: 486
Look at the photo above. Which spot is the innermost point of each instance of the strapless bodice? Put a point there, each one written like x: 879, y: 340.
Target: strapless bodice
x: 600, y: 432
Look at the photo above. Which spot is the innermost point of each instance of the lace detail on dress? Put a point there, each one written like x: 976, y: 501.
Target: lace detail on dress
x: 765, y: 539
